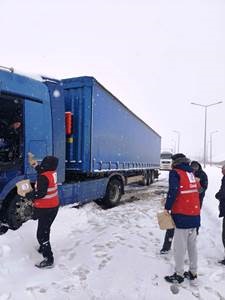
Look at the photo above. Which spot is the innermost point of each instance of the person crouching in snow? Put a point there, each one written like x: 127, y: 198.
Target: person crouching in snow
x: 184, y: 203
x: 46, y: 204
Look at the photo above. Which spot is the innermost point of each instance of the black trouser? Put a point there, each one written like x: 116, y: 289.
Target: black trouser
x: 45, y: 218
x: 201, y: 197
x: 168, y: 239
x: 223, y: 232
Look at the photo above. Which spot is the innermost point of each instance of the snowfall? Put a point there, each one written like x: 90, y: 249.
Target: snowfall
x: 113, y: 254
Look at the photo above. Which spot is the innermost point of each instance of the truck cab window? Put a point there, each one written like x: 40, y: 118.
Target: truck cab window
x: 11, y: 129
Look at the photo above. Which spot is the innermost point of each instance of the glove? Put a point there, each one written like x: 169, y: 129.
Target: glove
x: 31, y: 160
x: 197, y: 179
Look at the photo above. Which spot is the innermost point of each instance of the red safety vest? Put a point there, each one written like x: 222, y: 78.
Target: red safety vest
x: 187, y: 201
x: 51, y: 199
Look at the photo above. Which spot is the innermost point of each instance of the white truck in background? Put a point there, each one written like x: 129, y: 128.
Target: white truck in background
x: 166, y: 160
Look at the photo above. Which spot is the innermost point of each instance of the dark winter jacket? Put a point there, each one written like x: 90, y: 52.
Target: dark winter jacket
x: 220, y: 195
x: 49, y: 163
x: 203, y: 181
x: 181, y: 221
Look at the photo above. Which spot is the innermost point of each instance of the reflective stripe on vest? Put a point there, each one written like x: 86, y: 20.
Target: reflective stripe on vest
x: 189, y: 191
x: 51, y: 199
x: 187, y: 201
x: 52, y: 189
x: 50, y: 196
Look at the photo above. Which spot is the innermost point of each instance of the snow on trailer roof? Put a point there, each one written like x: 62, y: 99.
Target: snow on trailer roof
x: 18, y: 72
x: 38, y: 77
x: 23, y: 85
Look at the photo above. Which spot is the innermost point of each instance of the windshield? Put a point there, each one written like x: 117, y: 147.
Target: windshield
x: 166, y: 155
x: 11, y: 123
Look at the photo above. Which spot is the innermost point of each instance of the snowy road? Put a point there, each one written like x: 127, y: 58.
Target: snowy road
x: 111, y: 254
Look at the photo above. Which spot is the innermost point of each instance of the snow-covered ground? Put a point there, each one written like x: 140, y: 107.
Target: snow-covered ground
x: 112, y: 254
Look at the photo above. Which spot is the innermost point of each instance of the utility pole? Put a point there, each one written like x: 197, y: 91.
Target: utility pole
x: 178, y: 140
x: 205, y: 126
x: 211, y: 134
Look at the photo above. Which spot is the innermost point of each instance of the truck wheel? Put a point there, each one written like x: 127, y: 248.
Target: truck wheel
x: 151, y: 177
x: 148, y: 180
x: 20, y: 210
x: 145, y: 179
x: 113, y: 193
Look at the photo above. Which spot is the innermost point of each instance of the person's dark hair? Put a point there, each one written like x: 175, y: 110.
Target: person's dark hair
x: 196, y: 165
x: 49, y: 163
x: 179, y: 158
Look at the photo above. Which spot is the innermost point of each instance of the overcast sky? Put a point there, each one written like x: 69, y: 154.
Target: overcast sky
x: 156, y: 56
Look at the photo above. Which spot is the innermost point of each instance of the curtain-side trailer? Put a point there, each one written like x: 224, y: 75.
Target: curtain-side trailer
x: 100, y: 143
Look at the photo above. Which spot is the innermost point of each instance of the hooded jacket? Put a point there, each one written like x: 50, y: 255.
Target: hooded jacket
x: 203, y: 180
x: 202, y: 176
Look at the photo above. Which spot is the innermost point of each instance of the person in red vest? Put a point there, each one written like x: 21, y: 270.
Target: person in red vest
x: 46, y: 204
x: 202, y: 181
x: 184, y: 204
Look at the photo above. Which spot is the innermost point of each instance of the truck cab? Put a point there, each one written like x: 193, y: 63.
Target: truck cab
x: 26, y: 101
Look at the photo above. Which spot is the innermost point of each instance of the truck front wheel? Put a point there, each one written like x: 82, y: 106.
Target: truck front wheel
x: 113, y: 193
x: 19, y: 211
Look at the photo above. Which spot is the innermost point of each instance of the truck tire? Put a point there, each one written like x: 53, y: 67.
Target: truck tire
x: 113, y: 193
x: 148, y: 178
x: 145, y: 179
x: 19, y: 211
x: 151, y: 176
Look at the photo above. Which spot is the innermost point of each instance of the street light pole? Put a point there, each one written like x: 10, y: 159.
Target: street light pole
x: 205, y: 127
x: 205, y: 135
x: 178, y: 140
x: 211, y: 134
x: 174, y: 146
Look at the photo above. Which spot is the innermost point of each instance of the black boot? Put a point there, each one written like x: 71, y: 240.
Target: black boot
x: 45, y: 264
x: 164, y: 251
x: 222, y: 262
x: 175, y: 278
x: 190, y: 275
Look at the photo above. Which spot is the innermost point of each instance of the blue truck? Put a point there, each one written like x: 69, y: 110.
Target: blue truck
x: 100, y: 143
